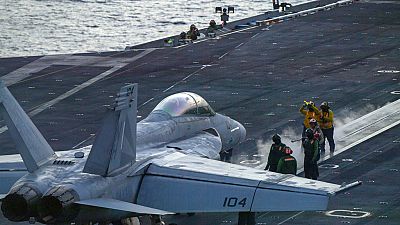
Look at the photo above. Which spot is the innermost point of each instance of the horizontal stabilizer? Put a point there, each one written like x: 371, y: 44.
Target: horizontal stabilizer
x: 30, y: 143
x: 235, y: 188
x: 114, y: 204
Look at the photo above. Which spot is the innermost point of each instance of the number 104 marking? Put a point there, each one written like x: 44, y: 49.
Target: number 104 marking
x: 233, y: 202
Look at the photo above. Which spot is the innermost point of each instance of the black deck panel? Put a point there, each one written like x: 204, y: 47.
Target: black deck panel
x: 10, y: 64
x: 44, y: 86
x: 260, y: 77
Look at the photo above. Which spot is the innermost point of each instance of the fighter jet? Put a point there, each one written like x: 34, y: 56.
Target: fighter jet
x: 164, y: 164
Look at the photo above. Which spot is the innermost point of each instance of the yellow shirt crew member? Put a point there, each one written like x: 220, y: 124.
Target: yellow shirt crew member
x: 310, y: 112
x: 325, y: 119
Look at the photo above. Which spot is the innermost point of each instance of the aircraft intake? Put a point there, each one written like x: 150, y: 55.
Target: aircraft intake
x: 57, y: 205
x: 20, y: 204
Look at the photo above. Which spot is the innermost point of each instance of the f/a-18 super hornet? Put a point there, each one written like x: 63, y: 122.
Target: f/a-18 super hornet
x: 164, y: 164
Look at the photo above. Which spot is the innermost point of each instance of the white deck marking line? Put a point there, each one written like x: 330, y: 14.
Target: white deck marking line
x: 151, y: 99
x: 255, y: 35
x: 178, y: 82
x: 290, y: 218
x: 239, y: 45
x: 185, y: 78
x: 80, y: 143
x: 78, y: 88
x: 222, y: 56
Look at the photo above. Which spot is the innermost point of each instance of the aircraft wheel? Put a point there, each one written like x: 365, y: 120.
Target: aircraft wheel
x: 247, y: 218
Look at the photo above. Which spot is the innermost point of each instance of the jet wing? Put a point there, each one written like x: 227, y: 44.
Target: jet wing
x: 202, y: 144
x: 182, y: 183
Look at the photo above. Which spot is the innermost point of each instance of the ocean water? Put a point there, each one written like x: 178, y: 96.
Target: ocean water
x: 38, y: 27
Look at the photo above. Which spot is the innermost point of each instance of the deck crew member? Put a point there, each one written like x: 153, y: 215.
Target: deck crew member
x: 275, y: 153
x: 311, y: 155
x: 318, y: 134
x: 182, y: 38
x: 284, y: 5
x: 193, y: 32
x: 325, y: 120
x: 224, y: 17
x: 310, y: 112
x: 213, y: 28
x: 287, y: 164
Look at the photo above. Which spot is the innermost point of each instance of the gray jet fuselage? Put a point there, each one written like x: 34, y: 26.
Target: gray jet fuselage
x: 160, y: 128
x: 48, y: 193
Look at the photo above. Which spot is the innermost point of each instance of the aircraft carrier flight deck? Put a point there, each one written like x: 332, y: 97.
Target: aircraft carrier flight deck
x: 259, y: 75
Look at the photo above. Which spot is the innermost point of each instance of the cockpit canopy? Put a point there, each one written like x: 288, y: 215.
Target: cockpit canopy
x: 185, y: 103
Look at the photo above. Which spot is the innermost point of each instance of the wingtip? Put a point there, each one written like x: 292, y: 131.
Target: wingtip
x: 346, y: 187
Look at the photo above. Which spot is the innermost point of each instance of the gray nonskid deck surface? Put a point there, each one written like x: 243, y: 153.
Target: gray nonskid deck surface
x: 258, y: 76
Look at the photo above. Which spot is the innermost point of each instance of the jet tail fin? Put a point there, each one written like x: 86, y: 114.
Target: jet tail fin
x: 115, y: 143
x: 30, y: 143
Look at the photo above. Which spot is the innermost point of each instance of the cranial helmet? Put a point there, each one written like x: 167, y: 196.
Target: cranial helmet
x: 276, y: 138
x: 309, y: 133
x: 324, y: 105
x: 288, y: 150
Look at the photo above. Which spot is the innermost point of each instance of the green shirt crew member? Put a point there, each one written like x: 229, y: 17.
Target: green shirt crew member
x: 213, y: 28
x: 275, y: 153
x: 311, y: 155
x: 287, y: 164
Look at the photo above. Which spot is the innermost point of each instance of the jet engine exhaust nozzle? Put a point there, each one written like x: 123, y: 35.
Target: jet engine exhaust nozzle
x: 56, y: 206
x: 20, y: 204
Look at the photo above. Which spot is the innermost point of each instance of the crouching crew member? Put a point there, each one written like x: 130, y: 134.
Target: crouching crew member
x: 287, y: 164
x: 193, y: 33
x: 311, y: 155
x: 326, y: 123
x: 275, y: 153
x: 213, y: 28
